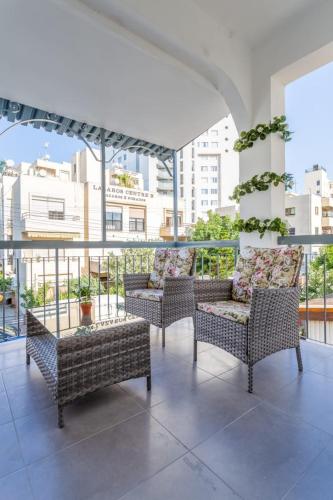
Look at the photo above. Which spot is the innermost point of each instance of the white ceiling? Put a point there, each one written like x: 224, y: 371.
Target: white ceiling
x: 254, y: 20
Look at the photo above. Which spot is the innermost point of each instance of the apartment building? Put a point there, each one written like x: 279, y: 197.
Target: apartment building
x: 208, y: 171
x: 47, y: 201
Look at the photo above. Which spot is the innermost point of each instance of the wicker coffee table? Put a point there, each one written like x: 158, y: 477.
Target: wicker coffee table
x: 75, y: 365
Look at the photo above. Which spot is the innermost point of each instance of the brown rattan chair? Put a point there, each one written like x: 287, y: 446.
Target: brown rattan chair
x: 160, y: 307
x: 268, y: 323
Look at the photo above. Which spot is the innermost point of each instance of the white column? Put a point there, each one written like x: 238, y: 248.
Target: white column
x: 267, y: 155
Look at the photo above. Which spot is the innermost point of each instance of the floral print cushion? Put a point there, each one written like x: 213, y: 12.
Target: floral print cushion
x: 179, y: 262
x: 252, y: 270
x: 286, y: 267
x: 156, y: 276
x: 229, y: 309
x: 170, y: 263
x: 146, y: 294
x: 264, y: 268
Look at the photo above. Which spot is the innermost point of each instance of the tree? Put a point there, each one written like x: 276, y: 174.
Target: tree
x: 320, y: 269
x: 215, y: 261
x: 125, y: 180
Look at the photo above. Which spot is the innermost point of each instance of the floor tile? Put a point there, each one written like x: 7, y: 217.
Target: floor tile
x: 39, y: 434
x: 308, y: 398
x: 201, y: 412
x: 15, y: 486
x: 162, y: 361
x: 10, y: 454
x: 185, y: 478
x: 5, y: 413
x: 317, y: 481
x: 269, y: 375
x: 108, y: 464
x: 26, y: 390
x: 262, y: 454
x: 174, y: 383
x: 12, y: 354
x: 216, y: 361
x: 184, y: 348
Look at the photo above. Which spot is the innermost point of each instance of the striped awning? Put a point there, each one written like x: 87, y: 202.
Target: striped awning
x: 15, y: 111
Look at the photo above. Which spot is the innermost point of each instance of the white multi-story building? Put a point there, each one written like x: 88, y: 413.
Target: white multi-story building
x: 208, y: 171
x: 62, y: 201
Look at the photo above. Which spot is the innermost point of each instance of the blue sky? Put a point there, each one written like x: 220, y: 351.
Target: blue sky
x: 309, y: 109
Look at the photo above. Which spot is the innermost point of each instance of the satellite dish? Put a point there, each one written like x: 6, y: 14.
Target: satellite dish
x: 42, y: 172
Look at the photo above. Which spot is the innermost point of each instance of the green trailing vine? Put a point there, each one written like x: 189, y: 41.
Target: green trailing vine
x: 261, y: 131
x: 261, y: 183
x: 253, y: 224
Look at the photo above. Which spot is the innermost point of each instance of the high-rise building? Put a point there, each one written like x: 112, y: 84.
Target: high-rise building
x: 208, y: 171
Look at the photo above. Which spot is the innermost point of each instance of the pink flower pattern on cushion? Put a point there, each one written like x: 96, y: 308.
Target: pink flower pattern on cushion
x: 146, y: 293
x: 286, y: 267
x: 265, y: 268
x: 229, y: 309
x: 170, y: 263
x: 156, y: 276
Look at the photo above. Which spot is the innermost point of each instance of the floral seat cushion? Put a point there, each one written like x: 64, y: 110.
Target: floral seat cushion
x: 265, y: 268
x: 146, y: 294
x: 228, y: 309
x: 171, y: 263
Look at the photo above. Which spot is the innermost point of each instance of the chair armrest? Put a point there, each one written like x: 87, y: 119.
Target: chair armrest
x: 274, y: 311
x: 34, y: 326
x: 212, y: 290
x: 136, y: 281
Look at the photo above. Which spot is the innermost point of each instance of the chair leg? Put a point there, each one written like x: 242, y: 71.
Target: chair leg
x: 250, y: 378
x: 149, y: 383
x: 27, y: 359
x: 299, y: 358
x: 60, y: 416
x: 195, y: 351
x: 163, y: 336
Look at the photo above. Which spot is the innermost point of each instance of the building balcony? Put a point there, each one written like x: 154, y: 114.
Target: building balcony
x: 327, y: 222
x: 327, y: 202
x: 167, y: 231
x: 52, y: 225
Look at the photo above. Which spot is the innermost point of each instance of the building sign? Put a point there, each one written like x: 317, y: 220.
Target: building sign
x: 125, y: 194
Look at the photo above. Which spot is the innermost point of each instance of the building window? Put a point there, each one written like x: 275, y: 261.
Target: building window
x: 193, y: 205
x: 204, y: 180
x: 181, y: 153
x: 226, y: 127
x: 181, y: 166
x: 193, y: 192
x: 182, y: 192
x: 181, y: 178
x: 214, y: 179
x: 213, y: 168
x: 192, y: 152
x: 316, y: 210
x: 215, y: 144
x: 125, y: 157
x: 226, y: 150
x: 44, y: 206
x: 213, y: 191
x: 292, y: 231
x: 193, y: 218
x: 318, y: 183
x: 204, y: 169
x: 204, y: 144
x: 226, y: 139
x: 213, y: 203
x: 204, y: 191
x: 204, y: 203
x: 316, y: 230
x: 114, y: 219
x: 290, y: 211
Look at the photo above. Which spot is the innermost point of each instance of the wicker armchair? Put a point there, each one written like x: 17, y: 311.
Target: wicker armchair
x: 267, y: 324
x: 77, y: 365
x: 160, y: 307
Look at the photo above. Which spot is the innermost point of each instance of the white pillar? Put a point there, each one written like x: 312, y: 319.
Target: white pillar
x: 267, y: 155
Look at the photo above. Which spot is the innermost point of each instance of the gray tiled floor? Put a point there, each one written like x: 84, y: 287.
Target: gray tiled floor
x: 197, y: 435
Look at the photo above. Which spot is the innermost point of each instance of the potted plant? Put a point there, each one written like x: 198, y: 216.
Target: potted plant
x: 84, y: 291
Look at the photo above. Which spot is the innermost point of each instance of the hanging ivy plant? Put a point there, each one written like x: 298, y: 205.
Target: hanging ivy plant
x: 261, y: 183
x: 253, y: 224
x: 261, y: 131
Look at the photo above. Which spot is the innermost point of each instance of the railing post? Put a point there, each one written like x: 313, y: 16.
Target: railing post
x: 325, y: 311
x: 307, y: 295
x: 175, y: 197
x: 103, y: 200
x: 57, y: 291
